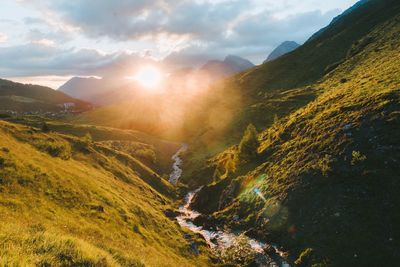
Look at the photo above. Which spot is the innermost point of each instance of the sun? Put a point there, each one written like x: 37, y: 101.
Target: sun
x: 149, y: 77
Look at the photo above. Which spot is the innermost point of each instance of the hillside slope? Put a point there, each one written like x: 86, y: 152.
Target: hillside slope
x: 282, y: 49
x: 69, y: 201
x: 27, y: 97
x: 275, y: 89
x: 323, y: 182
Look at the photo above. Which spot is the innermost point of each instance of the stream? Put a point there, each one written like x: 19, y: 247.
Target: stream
x: 177, y: 165
x: 219, y: 240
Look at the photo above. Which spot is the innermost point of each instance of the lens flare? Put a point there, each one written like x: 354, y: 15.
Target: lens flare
x: 149, y: 77
x: 258, y: 192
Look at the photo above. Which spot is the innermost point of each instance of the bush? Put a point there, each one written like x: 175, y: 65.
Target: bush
x: 88, y: 138
x: 249, y: 144
x: 325, y: 164
x: 304, y: 258
x: 239, y: 253
x: 54, y: 148
x: 45, y: 128
x: 357, y: 157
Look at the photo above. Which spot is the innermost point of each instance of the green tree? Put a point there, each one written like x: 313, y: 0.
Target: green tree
x: 249, y: 144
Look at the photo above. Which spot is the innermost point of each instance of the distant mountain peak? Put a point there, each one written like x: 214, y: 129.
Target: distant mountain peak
x: 282, y: 49
x: 230, y: 65
x: 240, y: 62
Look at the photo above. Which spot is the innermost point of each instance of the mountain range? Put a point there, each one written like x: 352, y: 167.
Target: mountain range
x: 300, y: 153
x: 108, y: 90
x: 229, y: 66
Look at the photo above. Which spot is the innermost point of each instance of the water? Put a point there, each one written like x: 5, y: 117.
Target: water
x: 218, y: 240
x: 177, y: 165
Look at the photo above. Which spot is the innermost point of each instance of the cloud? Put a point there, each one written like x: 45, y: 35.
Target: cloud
x: 49, y: 35
x: 3, y: 38
x: 245, y: 27
x: 254, y: 36
x: 186, y: 32
x: 34, y: 21
x: 40, y: 58
x: 205, y: 21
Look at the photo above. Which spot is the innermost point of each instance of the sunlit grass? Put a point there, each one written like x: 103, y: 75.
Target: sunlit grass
x: 99, y: 207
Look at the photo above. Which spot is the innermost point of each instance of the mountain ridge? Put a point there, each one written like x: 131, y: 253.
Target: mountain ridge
x: 315, y: 180
x: 28, y: 97
x: 282, y: 49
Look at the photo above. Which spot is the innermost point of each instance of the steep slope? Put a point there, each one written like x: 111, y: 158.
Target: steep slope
x: 26, y: 97
x: 68, y: 201
x: 277, y: 88
x: 348, y: 11
x: 282, y: 49
x: 323, y: 181
x: 313, y: 60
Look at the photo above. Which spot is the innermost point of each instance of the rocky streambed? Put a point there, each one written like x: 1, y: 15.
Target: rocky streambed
x: 222, y: 241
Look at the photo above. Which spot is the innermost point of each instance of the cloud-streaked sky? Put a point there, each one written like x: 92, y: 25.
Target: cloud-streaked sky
x: 48, y: 41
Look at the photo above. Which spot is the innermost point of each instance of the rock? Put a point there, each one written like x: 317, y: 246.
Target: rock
x: 207, y: 222
x: 269, y: 250
x: 171, y: 214
x: 347, y: 127
x: 194, y: 248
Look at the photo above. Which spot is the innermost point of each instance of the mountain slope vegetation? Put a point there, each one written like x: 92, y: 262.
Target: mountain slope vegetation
x: 322, y: 181
x: 278, y: 88
x: 72, y: 201
x: 26, y: 97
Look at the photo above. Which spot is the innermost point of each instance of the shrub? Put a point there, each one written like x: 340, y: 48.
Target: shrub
x: 88, y: 138
x: 147, y: 154
x: 240, y: 252
x: 304, y: 258
x: 249, y: 144
x: 357, y: 157
x: 45, y: 127
x: 54, y: 148
x: 325, y: 164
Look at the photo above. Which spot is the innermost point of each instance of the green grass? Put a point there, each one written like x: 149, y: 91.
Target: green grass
x: 155, y: 152
x: 328, y: 171
x: 98, y: 207
x: 27, y: 98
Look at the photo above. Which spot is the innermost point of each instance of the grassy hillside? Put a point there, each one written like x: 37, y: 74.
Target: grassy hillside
x: 70, y: 201
x: 155, y: 152
x: 26, y: 97
x: 275, y: 89
x: 323, y: 180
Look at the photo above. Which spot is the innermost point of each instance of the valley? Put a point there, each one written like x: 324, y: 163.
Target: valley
x: 292, y: 162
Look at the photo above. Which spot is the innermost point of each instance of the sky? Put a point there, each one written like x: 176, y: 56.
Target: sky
x: 49, y: 41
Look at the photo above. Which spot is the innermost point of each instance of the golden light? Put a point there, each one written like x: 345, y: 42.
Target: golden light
x: 149, y: 77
